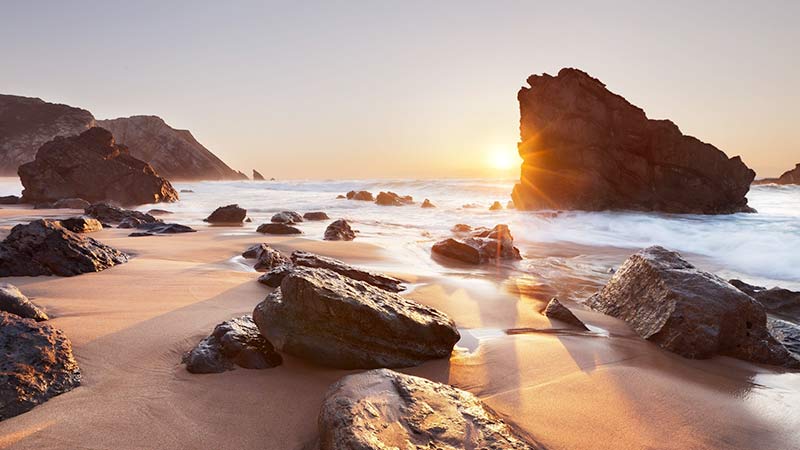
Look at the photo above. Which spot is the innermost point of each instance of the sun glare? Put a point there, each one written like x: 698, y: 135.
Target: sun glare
x: 502, y: 159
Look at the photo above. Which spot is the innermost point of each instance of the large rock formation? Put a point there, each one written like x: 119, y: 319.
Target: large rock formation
x: 693, y: 313
x: 175, y: 154
x: 587, y: 148
x: 788, y: 177
x: 92, y: 166
x: 383, y: 409
x: 27, y: 123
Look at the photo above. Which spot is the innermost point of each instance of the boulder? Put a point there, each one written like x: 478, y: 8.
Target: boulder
x: 453, y: 249
x: 233, y: 342
x: 788, y: 177
x: 339, y: 230
x: 15, y: 302
x: 557, y: 311
x: 227, y: 214
x: 289, y: 217
x: 496, y: 206
x: 384, y: 409
x: 9, y: 200
x: 130, y: 222
x: 275, y: 276
x: 461, y: 228
x: 332, y: 320
x: 392, y: 199
x: 483, y: 246
x: 364, y: 196
x: 267, y: 258
x: 92, y: 166
x: 81, y: 224
x: 340, y: 197
x: 45, y: 247
x: 37, y: 364
x: 315, y: 215
x: 106, y: 213
x: 787, y: 333
x: 684, y: 310
x: 586, y: 148
x: 257, y: 176
x: 778, y: 301
x: 427, y: 204
x: 385, y: 282
x: 153, y: 229
x: 277, y: 228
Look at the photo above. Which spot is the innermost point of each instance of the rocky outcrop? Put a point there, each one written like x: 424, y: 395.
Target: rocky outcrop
x: 36, y: 364
x: 332, y: 320
x: 175, y: 154
x: 587, y: 148
x: 81, y: 224
x: 383, y: 409
x: 392, y: 199
x: 110, y: 214
x: 788, y: 177
x: 15, y: 302
x: 233, y: 342
x: 557, y: 311
x: 364, y: 196
x: 45, y: 247
x: 684, y: 310
x: 92, y: 166
x: 257, y: 176
x: 277, y: 228
x: 485, y: 245
x: 778, y: 301
x: 27, y: 123
x: 339, y: 230
x: 288, y: 217
x: 315, y: 215
x: 227, y: 214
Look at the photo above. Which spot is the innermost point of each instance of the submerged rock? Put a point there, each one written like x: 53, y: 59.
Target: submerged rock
x: 227, y: 214
x: 392, y: 199
x: 159, y: 212
x: 779, y: 301
x: 13, y: 301
x: 107, y: 213
x: 332, y: 320
x: 385, y: 282
x: 288, y: 217
x: 684, y: 310
x: 556, y: 310
x: 277, y: 228
x: 383, y: 409
x: 339, y: 230
x: 236, y: 341
x: 315, y: 215
x: 363, y: 196
x: 36, y: 364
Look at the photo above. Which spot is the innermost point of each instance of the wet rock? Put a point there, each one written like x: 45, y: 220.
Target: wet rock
x: 267, y: 258
x: 107, y: 213
x: 332, y: 320
x: 13, y: 301
x: 253, y: 251
x: 275, y: 276
x: 81, y: 224
x: 787, y: 333
x: 557, y: 311
x: 9, y: 200
x: 684, y: 310
x: 288, y: 217
x: 45, y: 247
x: 315, y: 215
x: 233, y: 342
x: 383, y: 409
x: 483, y: 246
x: 364, y: 196
x: 427, y: 204
x: 392, y: 199
x: 36, y: 364
x: 461, y: 228
x: 457, y: 250
x: 153, y: 229
x: 257, y: 176
x: 130, y: 222
x: 227, y: 214
x: 159, y: 212
x: 385, y: 282
x: 496, y: 206
x: 277, y: 228
x: 339, y: 230
x: 788, y: 177
x: 778, y: 301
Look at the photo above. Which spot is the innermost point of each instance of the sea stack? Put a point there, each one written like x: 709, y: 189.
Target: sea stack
x: 586, y: 148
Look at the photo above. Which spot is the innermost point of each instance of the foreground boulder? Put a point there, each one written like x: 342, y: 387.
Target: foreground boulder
x: 227, y: 214
x: 93, y: 167
x: 485, y: 245
x: 45, y: 247
x: 277, y: 228
x: 236, y: 341
x: 332, y: 320
x: 383, y: 409
x: 111, y: 214
x: 290, y: 217
x: 392, y: 199
x: 13, y: 301
x: 364, y: 196
x: 36, y: 363
x: 556, y: 310
x: 587, y: 148
x: 684, y: 310
x: 788, y: 177
x: 778, y: 301
x: 339, y: 230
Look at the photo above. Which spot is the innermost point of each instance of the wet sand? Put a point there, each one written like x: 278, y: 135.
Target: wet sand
x: 604, y: 389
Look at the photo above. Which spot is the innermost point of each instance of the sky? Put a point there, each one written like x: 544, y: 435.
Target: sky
x: 390, y: 89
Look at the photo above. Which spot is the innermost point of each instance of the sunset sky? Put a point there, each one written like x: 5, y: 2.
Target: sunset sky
x: 407, y: 89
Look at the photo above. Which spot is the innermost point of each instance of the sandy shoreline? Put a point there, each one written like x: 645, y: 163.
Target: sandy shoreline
x: 130, y: 324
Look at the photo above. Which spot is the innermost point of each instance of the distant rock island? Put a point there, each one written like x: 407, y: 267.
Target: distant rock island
x: 788, y: 177
x: 587, y: 148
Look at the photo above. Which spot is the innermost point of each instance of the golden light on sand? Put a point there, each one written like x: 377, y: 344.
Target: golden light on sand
x: 502, y: 159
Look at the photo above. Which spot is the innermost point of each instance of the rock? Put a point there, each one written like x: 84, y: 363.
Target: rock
x: 495, y: 206
x: 315, y: 215
x: 268, y: 258
x: 339, y: 230
x: 288, y: 217
x: 257, y: 176
x: 111, y: 214
x: 484, y: 246
x: 92, y: 166
x: 461, y: 228
x: 274, y: 276
x: 457, y: 250
x: 81, y: 224
x: 227, y: 214
x: 36, y: 364
x: 557, y: 311
x: 788, y: 177
x: 787, y: 333
x: 385, y: 282
x: 779, y: 301
x: 587, y: 148
x: 253, y: 251
x: 45, y: 247
x: 159, y: 212
x: 277, y: 228
x: 15, y: 302
x: 384, y: 409
x: 153, y: 229
x: 130, y: 222
x: 187, y: 191
x: 364, y: 196
x: 332, y: 320
x: 392, y: 199
x: 427, y: 204
x: 510, y: 205
x: 684, y: 310
x: 340, y: 196
x: 236, y: 341
x: 9, y: 200
x: 71, y: 203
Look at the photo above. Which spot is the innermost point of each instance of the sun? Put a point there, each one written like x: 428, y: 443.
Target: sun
x: 501, y: 159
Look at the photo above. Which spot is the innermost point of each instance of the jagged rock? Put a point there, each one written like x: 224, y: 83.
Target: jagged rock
x: 153, y: 229
x: 485, y: 245
x: 589, y: 149
x: 9, y: 200
x: 427, y: 204
x: 36, y: 364
x: 315, y: 215
x: 385, y: 282
x: 364, y: 196
x: 45, y: 247
x: 227, y: 214
x: 93, y: 167
x: 277, y: 228
x: 556, y: 310
x: 495, y: 206
x: 81, y: 224
x: 392, y: 199
x: 684, y: 310
x: 159, y: 212
x: 384, y: 409
x: 329, y: 319
x: 15, y: 302
x: 788, y: 177
x: 288, y: 217
x: 274, y: 276
x: 257, y: 176
x: 339, y: 230
x: 787, y: 333
x: 106, y: 213
x: 779, y: 301
x: 236, y: 341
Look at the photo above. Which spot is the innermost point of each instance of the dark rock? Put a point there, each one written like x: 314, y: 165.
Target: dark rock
x: 788, y: 177
x: 153, y: 229
x: 457, y: 250
x: 383, y: 409
x: 427, y: 204
x: 778, y: 301
x: 13, y: 301
x: 274, y: 276
x: 268, y: 258
x: 495, y: 206
x: 787, y: 333
x: 93, y: 167
x: 111, y: 214
x: 227, y: 214
x: 360, y: 195
x: 9, y: 200
x: 45, y: 247
x: 81, y: 224
x: 187, y: 191
x: 556, y: 310
x: 236, y: 341
x: 253, y: 251
x: 277, y: 228
x: 392, y: 199
x: 288, y: 217
x: 589, y: 149
x: 339, y: 230
x: 329, y: 319
x: 159, y: 212
x: 130, y: 222
x: 315, y: 215
x: 385, y: 282
x: 684, y: 310
x: 257, y: 176
x: 36, y: 364
x: 485, y: 245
